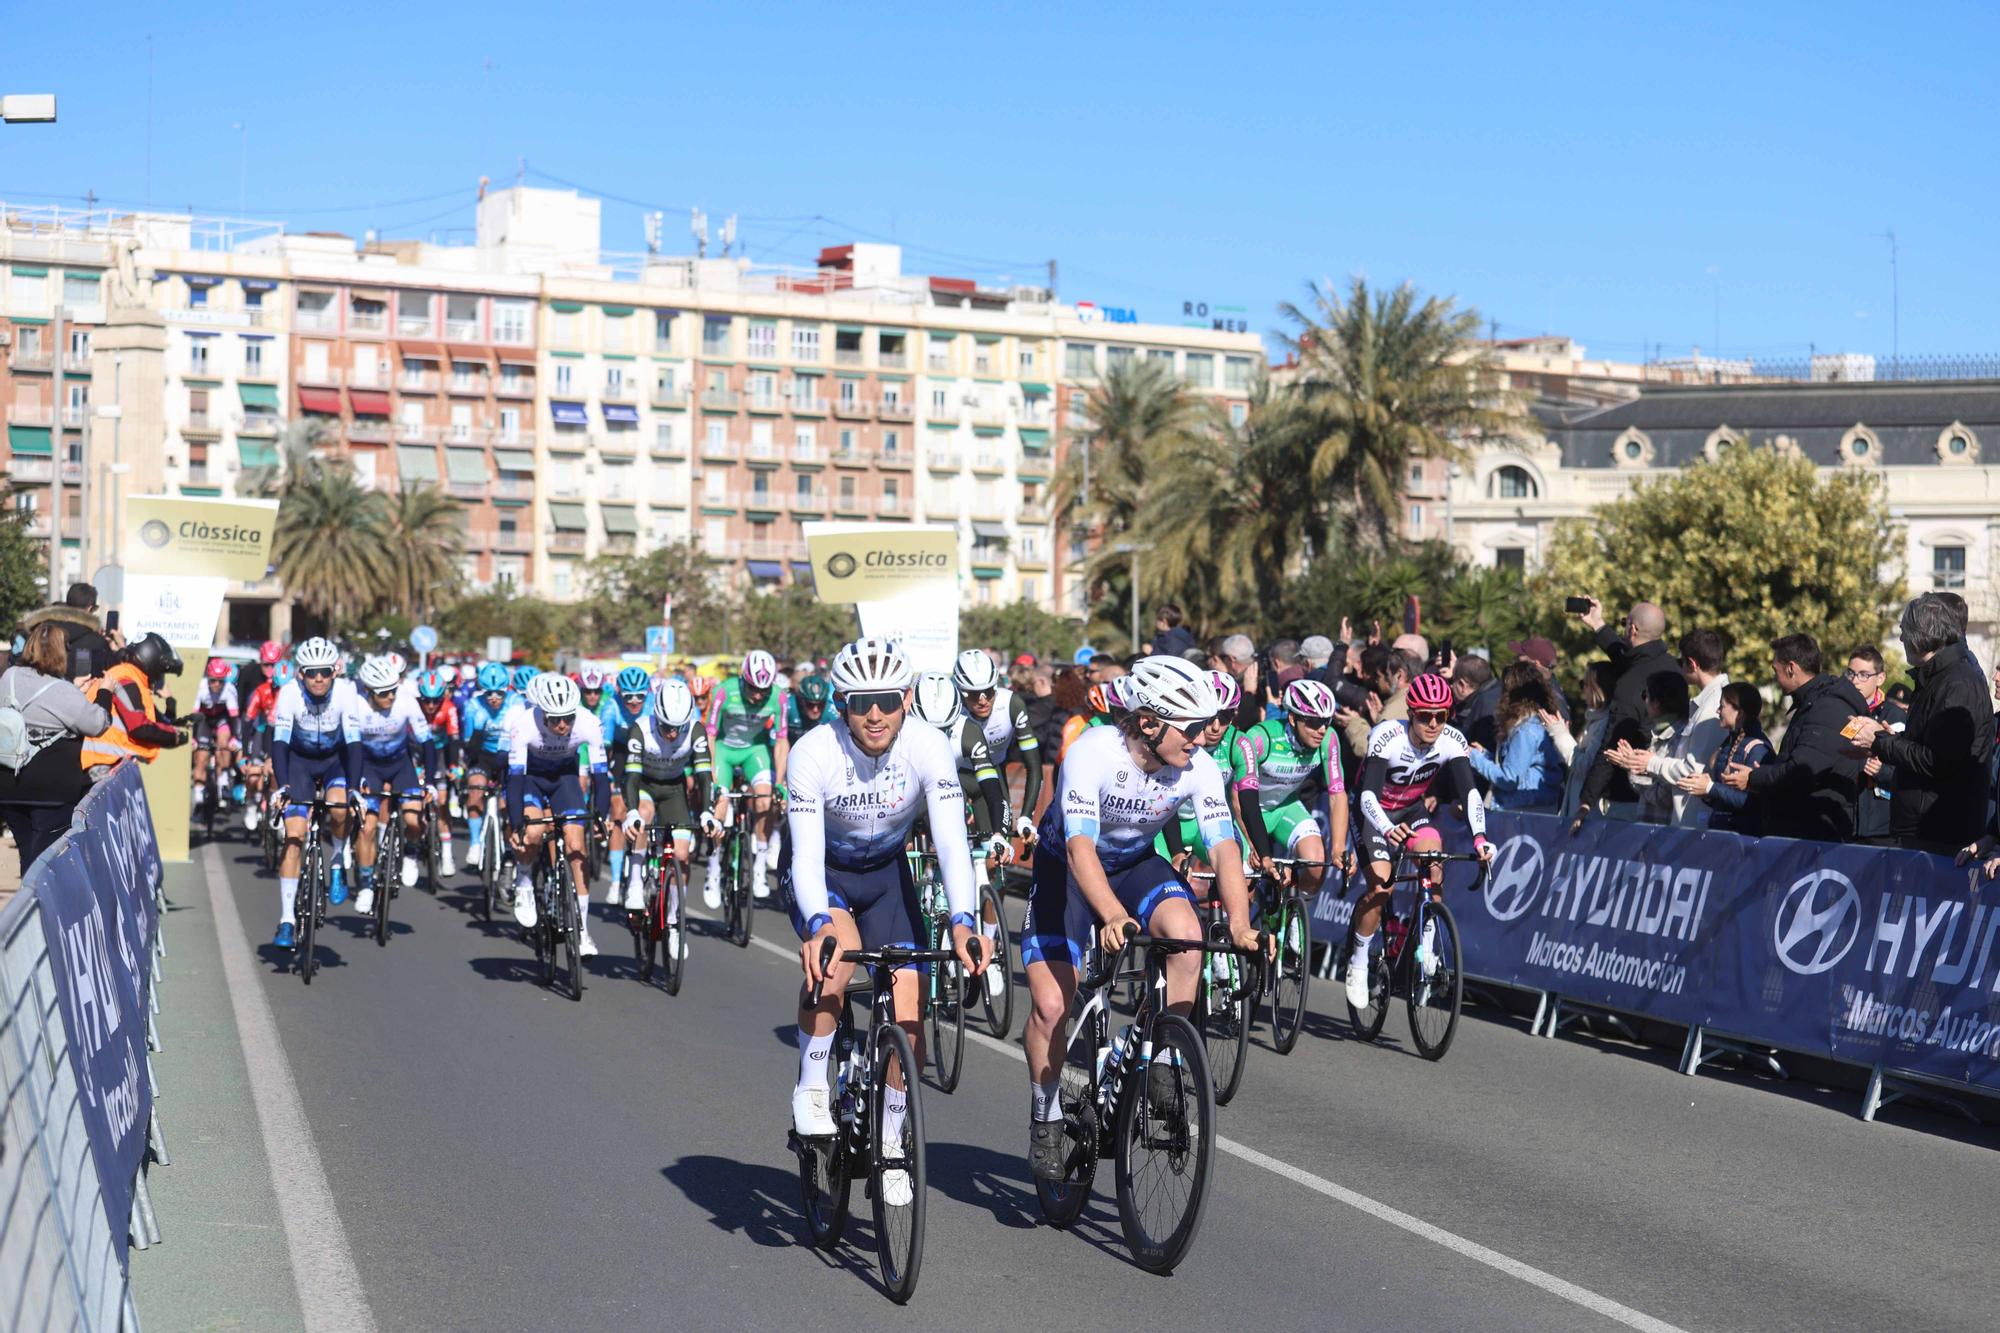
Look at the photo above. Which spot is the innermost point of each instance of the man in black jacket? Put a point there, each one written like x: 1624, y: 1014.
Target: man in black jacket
x: 1867, y: 672
x: 76, y: 613
x: 1635, y: 657
x: 1810, y: 789
x: 1939, y: 801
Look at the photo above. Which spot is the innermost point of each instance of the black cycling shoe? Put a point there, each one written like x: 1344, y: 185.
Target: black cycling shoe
x: 1048, y: 1149
x: 1163, y: 1089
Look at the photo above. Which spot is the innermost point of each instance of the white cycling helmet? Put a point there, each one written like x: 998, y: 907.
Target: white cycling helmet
x: 1172, y: 688
x: 935, y: 700
x: 315, y: 654
x: 975, y: 672
x: 398, y: 663
x: 1227, y: 692
x: 590, y: 678
x: 760, y: 669
x: 554, y: 694
x: 1118, y: 693
x: 379, y: 673
x: 1309, y: 700
x: 448, y: 674
x: 673, y: 702
x: 871, y: 664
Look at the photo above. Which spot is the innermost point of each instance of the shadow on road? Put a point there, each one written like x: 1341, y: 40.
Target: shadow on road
x: 999, y: 1184
x: 522, y: 967
x: 761, y: 1203
x: 283, y: 961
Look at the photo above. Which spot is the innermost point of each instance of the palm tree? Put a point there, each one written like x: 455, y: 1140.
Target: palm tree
x: 330, y: 546
x: 425, y: 533
x: 1395, y: 380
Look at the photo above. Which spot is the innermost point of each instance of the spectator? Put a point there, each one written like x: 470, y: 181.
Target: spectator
x: 1020, y: 674
x: 76, y: 617
x: 134, y: 685
x: 1239, y: 659
x: 1477, y: 690
x: 1939, y: 801
x: 1809, y: 789
x: 1543, y: 654
x: 1740, y: 709
x: 1416, y: 648
x: 1660, y: 801
x: 1634, y: 658
x: 1044, y: 715
x: 1170, y: 636
x: 1581, y: 752
x: 1526, y: 769
x: 1071, y: 713
x: 1701, y: 665
x: 1388, y: 674
x: 1866, y: 671
x: 37, y: 799
x: 1317, y: 650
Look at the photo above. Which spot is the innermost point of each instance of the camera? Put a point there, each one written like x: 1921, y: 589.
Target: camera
x: 1351, y: 694
x: 1576, y: 606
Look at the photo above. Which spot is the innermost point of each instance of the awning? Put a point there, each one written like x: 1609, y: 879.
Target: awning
x: 988, y: 532
x: 378, y: 294
x: 802, y: 570
x: 849, y: 328
x: 466, y: 466
x: 987, y: 572
x: 469, y: 352
x: 320, y: 400
x: 566, y: 307
x: 259, y: 395
x: 72, y: 275
x: 766, y: 569
x: 419, y: 351
x: 618, y: 310
x: 368, y: 402
x: 257, y: 453
x: 893, y: 333
x: 30, y: 271
x: 1033, y: 437
x: 260, y: 284
x: 942, y: 337
x: 570, y: 414
x: 989, y: 431
x: 514, y: 460
x: 416, y: 462
x: 619, y: 520
x: 567, y: 517
x: 192, y: 279
x: 623, y: 414
x: 1033, y: 389
x: 518, y: 357
x: 986, y: 337
x: 29, y: 440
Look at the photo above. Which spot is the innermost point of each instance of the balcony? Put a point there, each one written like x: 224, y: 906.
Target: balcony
x: 853, y: 409
x: 671, y: 447
x: 852, y: 457
x: 851, y: 506
x: 461, y: 330
x: 990, y: 464
x: 766, y: 500
x: 415, y: 326
x: 418, y: 381
x: 30, y: 414
x: 1030, y: 558
x: 618, y: 443
x: 516, y: 386
x: 942, y: 504
x: 513, y: 488
x: 328, y: 376
x: 767, y: 404
x: 467, y: 386
x: 766, y: 550
x: 670, y: 395
x: 32, y: 358
x: 715, y: 351
x: 619, y: 391
x: 808, y: 455
x: 1036, y: 412
x: 1033, y: 514
x: 944, y: 460
x: 849, y: 356
x: 719, y: 449
x: 893, y: 506
x: 369, y: 430
x: 890, y: 409
x: 721, y: 400
x: 889, y: 360
x: 467, y: 490
x: 990, y: 416
x: 803, y: 406
x: 202, y: 425
x: 367, y: 321
x: 514, y: 543
x: 317, y: 319
x: 898, y: 460
x: 808, y: 502
x: 261, y: 424
x: 365, y: 376
x: 566, y: 541
x: 763, y: 454
x: 516, y: 438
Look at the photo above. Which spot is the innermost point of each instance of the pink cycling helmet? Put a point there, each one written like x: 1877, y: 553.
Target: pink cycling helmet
x: 271, y: 652
x: 1431, y: 690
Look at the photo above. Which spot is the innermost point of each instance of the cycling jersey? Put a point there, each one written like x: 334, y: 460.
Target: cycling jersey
x: 852, y: 812
x: 486, y: 728
x: 385, y: 736
x: 215, y: 703
x: 733, y: 721
x: 1109, y: 799
x: 976, y: 767
x: 1396, y: 776
x: 653, y: 762
x: 542, y: 765
x: 315, y: 739
x: 1007, y: 725
x: 262, y: 700
x: 796, y: 725
x: 1269, y: 760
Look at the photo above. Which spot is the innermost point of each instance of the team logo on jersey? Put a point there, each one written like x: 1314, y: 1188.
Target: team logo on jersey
x: 1122, y: 775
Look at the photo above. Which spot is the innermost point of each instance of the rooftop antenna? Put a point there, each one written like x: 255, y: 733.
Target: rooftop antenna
x: 654, y: 223
x: 728, y: 234
x: 698, y: 224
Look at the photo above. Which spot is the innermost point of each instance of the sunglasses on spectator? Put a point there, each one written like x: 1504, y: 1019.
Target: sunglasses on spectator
x: 1429, y: 716
x: 887, y: 702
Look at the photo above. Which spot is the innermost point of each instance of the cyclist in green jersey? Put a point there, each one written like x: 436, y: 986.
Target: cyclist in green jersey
x: 1278, y: 771
x: 749, y: 742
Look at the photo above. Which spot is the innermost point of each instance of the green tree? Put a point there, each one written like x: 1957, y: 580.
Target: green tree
x: 1394, y: 378
x: 1021, y: 627
x: 331, y: 544
x: 537, y: 627
x: 790, y: 623
x: 23, y: 562
x: 1754, y: 545
x: 624, y: 594
x: 425, y: 529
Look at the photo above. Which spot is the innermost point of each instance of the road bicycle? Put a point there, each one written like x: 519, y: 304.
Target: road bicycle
x: 1286, y: 916
x: 213, y: 789
x: 860, y: 1076
x: 941, y: 991
x: 558, y: 930
x: 271, y: 828
x: 388, y: 858
x: 738, y: 864
x: 496, y: 859
x: 309, y: 900
x: 1146, y: 1097
x: 996, y: 1008
x: 432, y: 825
x: 666, y: 881
x: 1416, y: 952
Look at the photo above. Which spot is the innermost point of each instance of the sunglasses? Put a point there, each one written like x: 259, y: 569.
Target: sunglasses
x: 317, y: 673
x: 970, y: 695
x: 1430, y: 718
x: 381, y: 696
x: 888, y: 702
x: 566, y: 720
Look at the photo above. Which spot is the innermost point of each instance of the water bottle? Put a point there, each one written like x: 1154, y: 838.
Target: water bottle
x: 1107, y: 1064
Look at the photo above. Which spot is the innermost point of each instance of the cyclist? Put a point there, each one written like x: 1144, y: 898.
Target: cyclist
x: 215, y: 722
x: 434, y: 701
x: 387, y: 722
x: 1094, y: 862
x: 1181, y: 838
x: 616, y: 718
x: 590, y: 689
x: 544, y: 736
x: 747, y: 742
x: 666, y: 753
x: 855, y: 792
x: 483, y: 729
x: 808, y: 708
x: 935, y: 699
x: 1003, y: 716
x: 257, y: 734
x: 1405, y: 756
x: 1288, y: 763
x: 314, y: 741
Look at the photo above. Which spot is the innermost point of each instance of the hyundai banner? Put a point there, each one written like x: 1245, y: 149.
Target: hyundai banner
x: 1860, y: 953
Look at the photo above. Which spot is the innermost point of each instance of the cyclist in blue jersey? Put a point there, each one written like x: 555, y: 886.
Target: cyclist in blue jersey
x: 483, y: 730
x: 314, y: 743
x: 544, y: 739
x: 394, y: 735
x: 623, y: 705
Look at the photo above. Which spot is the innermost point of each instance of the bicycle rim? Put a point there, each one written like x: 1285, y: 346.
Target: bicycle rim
x: 306, y: 908
x: 573, y: 939
x: 1063, y: 1200
x: 947, y: 987
x: 899, y: 1231
x: 998, y: 1009
x: 1368, y: 1022
x: 1434, y: 1001
x: 824, y: 1170
x: 1165, y: 1152
x: 675, y: 960
x: 1225, y: 1035
x: 1292, y: 976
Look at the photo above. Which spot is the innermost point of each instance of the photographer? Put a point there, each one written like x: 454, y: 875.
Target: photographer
x: 42, y: 780
x: 134, y: 685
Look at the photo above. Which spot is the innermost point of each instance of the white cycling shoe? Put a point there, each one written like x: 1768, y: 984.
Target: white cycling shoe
x: 635, y: 896
x: 711, y: 887
x: 524, y: 906
x: 812, y: 1113
x: 364, y: 902
x: 250, y: 816
x: 898, y: 1191
x: 446, y: 866
x: 585, y: 945
x: 409, y: 872
x: 475, y: 854
x: 1357, y: 983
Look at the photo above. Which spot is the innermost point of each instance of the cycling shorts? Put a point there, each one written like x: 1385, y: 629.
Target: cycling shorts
x: 493, y: 763
x: 1375, y: 847
x: 207, y: 731
x: 1290, y: 824
x: 561, y: 796
x: 670, y: 804
x: 326, y: 770
x: 257, y: 745
x: 881, y: 898
x: 751, y: 763
x: 398, y: 775
x: 1060, y: 922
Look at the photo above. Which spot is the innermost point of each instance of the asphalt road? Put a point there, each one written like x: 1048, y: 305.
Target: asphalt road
x: 502, y: 1157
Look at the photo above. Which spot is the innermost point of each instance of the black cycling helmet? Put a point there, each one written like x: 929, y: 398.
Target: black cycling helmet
x: 154, y: 656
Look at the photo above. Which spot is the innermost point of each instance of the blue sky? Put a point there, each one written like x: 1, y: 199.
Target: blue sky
x: 1632, y: 175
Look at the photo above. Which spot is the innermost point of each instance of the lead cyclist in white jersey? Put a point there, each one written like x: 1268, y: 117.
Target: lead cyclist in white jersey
x: 1404, y: 759
x: 854, y: 791
x: 1095, y: 865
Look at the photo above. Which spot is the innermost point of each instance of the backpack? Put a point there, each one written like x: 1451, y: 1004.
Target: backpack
x: 17, y: 746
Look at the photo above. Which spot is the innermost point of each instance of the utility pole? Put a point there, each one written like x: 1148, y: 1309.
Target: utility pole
x: 58, y: 455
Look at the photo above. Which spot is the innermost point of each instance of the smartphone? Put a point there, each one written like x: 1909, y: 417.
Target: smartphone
x: 1576, y: 606
x: 1413, y: 615
x: 111, y: 622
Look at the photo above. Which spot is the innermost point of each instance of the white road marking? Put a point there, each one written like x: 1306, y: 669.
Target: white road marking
x: 1395, y: 1217
x: 323, y: 1268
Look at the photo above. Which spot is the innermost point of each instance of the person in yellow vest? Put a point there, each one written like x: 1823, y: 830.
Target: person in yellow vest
x: 131, y: 691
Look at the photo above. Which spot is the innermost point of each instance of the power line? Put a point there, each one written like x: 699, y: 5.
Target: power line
x: 232, y: 211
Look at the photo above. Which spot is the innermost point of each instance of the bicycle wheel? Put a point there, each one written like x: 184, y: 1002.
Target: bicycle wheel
x: 648, y: 924
x: 388, y: 871
x: 1292, y: 973
x: 825, y: 1166
x: 1434, y: 986
x: 899, y: 1227
x: 1225, y: 1030
x: 944, y: 995
x: 1368, y: 1022
x: 739, y: 890
x: 544, y: 929
x: 998, y: 1010
x: 433, y: 853
x: 1063, y: 1200
x: 1165, y: 1143
x: 673, y: 960
x: 305, y: 907
x: 572, y: 935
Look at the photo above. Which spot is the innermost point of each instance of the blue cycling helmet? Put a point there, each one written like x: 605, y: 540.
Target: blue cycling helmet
x: 282, y: 673
x: 524, y: 674
x: 430, y: 685
x: 634, y: 680
x: 493, y: 677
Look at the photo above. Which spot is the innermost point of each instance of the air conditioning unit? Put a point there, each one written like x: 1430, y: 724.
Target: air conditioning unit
x: 970, y: 399
x: 6, y: 337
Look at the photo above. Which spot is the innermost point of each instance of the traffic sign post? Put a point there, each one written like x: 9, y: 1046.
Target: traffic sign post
x: 425, y: 640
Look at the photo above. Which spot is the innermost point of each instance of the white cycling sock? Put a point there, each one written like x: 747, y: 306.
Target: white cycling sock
x: 1361, y: 943
x: 1047, y: 1099
x: 895, y: 1106
x: 813, y: 1055
x: 522, y: 880
x: 674, y: 901
x: 288, y: 895
x: 340, y: 851
x: 583, y: 912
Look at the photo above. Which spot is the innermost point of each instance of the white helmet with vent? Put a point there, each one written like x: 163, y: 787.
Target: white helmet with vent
x: 935, y: 700
x: 1174, y: 689
x: 975, y: 671
x: 555, y: 694
x: 871, y: 664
